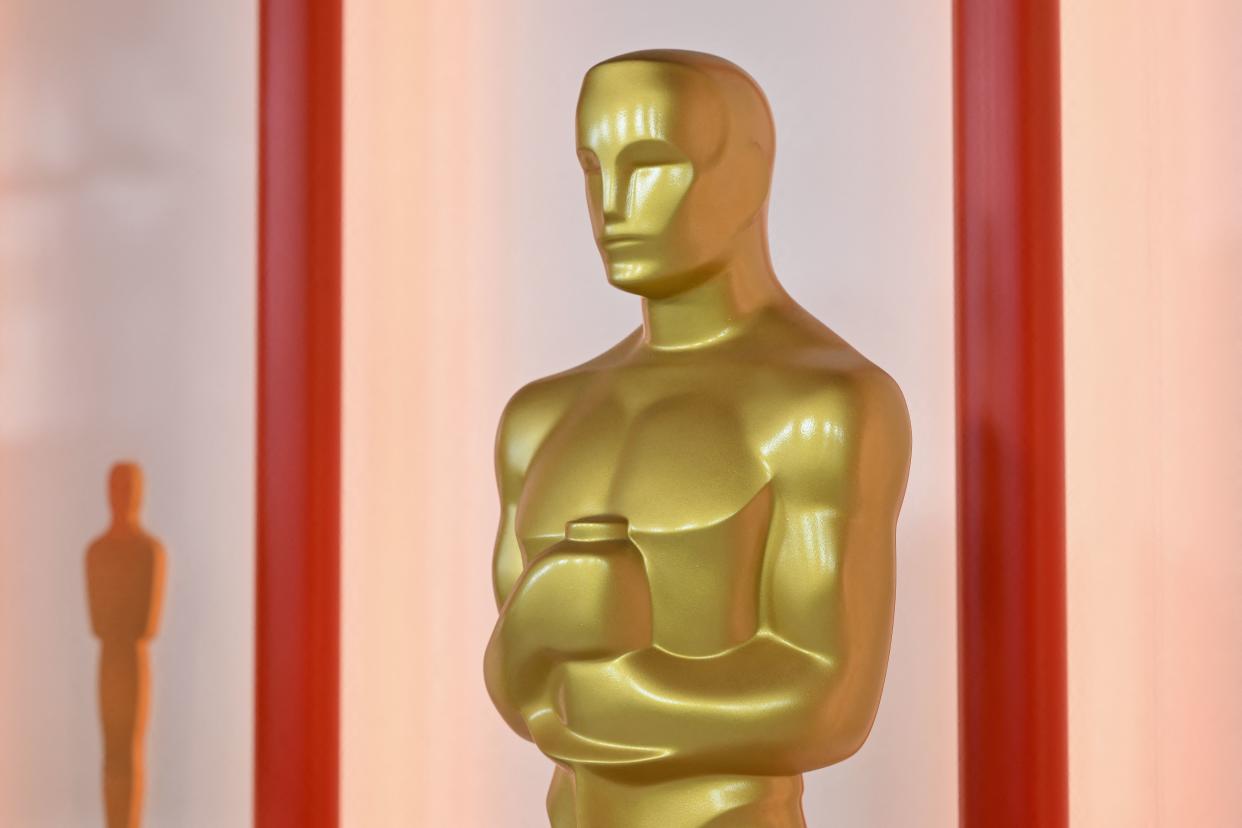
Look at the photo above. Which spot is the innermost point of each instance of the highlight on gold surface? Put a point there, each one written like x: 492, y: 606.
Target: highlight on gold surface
x: 125, y: 586
x: 695, y: 558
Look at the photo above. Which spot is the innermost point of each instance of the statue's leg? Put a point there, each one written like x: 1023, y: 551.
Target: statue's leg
x: 561, y: 808
x: 782, y: 809
x: 122, y: 703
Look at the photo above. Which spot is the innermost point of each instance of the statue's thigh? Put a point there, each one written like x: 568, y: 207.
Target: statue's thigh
x: 121, y: 692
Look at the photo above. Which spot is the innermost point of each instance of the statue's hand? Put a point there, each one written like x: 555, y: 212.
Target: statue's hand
x: 593, y: 698
x: 582, y: 601
x: 577, y: 601
x: 558, y: 739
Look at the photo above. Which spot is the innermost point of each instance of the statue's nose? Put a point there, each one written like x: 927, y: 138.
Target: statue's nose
x: 612, y: 196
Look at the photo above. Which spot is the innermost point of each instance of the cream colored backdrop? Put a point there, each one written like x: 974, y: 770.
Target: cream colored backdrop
x: 126, y: 331
x: 1153, y: 210
x: 470, y: 270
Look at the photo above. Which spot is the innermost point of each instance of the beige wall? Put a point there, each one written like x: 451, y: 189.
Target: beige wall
x: 126, y: 330
x: 1153, y: 110
x: 470, y: 270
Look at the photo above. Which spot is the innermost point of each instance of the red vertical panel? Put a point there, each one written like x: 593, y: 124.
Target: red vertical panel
x: 1011, y: 489
x: 297, y: 617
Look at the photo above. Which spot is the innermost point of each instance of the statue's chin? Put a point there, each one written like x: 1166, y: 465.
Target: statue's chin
x: 637, y: 277
x: 650, y: 280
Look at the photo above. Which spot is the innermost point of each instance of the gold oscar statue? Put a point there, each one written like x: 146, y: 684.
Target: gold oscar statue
x: 125, y: 585
x: 695, y: 558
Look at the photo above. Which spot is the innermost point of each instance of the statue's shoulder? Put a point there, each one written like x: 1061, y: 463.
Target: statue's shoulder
x: 836, y: 407
x: 153, y: 546
x: 550, y: 396
x: 828, y: 382
x: 107, y: 548
x: 96, y: 551
x: 538, y: 406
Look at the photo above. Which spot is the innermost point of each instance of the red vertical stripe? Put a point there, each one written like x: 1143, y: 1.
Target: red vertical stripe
x: 1011, y: 488
x: 297, y: 619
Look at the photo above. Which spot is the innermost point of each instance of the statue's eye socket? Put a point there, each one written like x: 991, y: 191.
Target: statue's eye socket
x: 652, y: 153
x: 643, y: 165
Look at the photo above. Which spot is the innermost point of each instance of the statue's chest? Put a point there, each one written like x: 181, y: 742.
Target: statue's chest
x: 676, y: 463
x: 682, y: 471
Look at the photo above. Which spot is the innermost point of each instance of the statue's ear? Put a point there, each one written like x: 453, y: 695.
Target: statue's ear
x: 752, y: 181
x: 760, y: 163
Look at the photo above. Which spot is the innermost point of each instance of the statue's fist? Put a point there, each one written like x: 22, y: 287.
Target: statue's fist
x: 586, y: 597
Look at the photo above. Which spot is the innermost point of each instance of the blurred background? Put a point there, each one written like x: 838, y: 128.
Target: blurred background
x: 127, y: 330
x: 127, y: 318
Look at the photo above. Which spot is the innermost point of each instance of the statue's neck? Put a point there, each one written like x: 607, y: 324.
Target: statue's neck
x: 719, y: 307
x: 124, y: 525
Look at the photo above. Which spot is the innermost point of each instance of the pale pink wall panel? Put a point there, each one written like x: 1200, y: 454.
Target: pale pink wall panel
x: 1198, y: 231
x: 1112, y: 396
x: 1153, y: 110
x: 426, y: 271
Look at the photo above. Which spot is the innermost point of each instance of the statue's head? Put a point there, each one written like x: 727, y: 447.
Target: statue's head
x: 677, y: 148
x: 125, y: 491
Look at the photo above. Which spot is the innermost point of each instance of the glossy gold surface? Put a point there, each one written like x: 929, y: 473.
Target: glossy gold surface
x: 695, y: 558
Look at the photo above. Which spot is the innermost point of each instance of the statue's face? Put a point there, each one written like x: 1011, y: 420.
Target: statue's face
x: 667, y: 193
